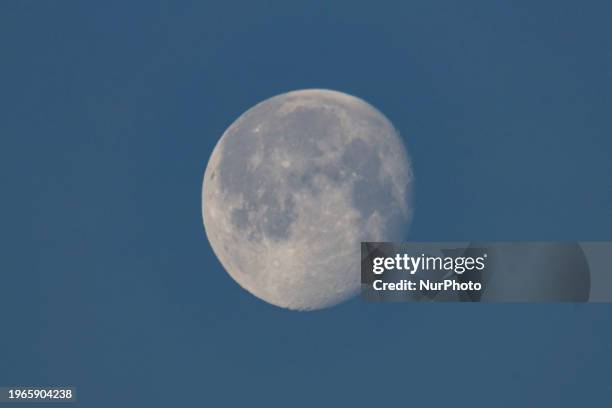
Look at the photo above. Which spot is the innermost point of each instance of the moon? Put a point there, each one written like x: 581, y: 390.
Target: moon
x: 294, y: 186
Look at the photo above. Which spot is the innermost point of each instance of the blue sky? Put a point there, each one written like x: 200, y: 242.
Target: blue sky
x: 109, y: 112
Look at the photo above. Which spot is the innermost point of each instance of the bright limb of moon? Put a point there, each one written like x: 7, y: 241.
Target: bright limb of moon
x: 292, y: 188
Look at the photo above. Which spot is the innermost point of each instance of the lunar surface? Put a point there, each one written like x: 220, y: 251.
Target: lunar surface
x: 292, y: 188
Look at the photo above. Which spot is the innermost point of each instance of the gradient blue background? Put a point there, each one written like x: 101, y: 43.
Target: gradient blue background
x: 110, y: 110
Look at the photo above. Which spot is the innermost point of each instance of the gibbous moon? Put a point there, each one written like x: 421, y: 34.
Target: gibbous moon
x: 292, y: 188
